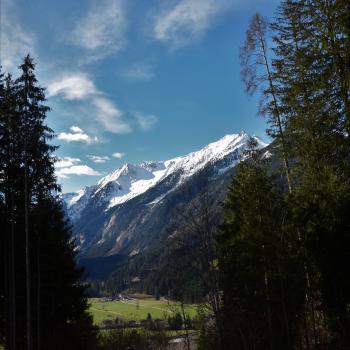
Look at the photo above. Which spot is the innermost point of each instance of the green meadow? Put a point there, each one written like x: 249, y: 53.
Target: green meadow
x: 136, y: 309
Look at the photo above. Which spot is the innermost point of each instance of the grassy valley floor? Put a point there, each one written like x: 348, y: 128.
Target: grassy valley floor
x: 136, y: 309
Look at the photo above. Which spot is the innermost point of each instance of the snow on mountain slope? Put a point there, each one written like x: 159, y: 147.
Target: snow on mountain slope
x: 131, y: 180
x: 76, y: 202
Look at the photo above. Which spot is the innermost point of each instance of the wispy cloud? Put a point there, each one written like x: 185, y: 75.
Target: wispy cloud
x: 110, y: 117
x: 101, y: 31
x: 145, y: 121
x: 139, y: 71
x: 75, y: 86
x: 98, y: 159
x: 80, y: 87
x: 76, y: 135
x: 187, y: 20
x: 15, y: 41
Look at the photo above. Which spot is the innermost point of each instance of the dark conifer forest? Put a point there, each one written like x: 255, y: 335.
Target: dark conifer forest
x: 284, y: 249
x: 268, y: 266
x: 43, y: 305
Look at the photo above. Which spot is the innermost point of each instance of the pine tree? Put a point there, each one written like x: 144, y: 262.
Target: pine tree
x: 7, y: 191
x: 314, y: 125
x: 41, y: 263
x: 312, y: 70
x: 258, y: 260
x: 65, y: 322
x: 3, y: 243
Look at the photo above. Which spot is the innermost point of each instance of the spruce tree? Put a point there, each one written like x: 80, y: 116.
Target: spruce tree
x: 3, y: 245
x: 7, y: 194
x: 312, y: 70
x: 64, y: 321
x: 258, y: 259
x: 50, y: 310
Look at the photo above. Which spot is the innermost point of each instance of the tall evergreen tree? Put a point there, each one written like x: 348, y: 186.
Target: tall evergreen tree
x: 259, y: 261
x: 312, y: 70
x: 256, y: 71
x: 64, y: 320
x: 47, y: 308
x: 7, y: 191
x: 3, y: 245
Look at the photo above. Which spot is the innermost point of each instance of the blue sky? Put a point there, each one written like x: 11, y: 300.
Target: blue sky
x: 134, y: 80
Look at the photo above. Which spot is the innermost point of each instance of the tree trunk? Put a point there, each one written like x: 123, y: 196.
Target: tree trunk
x: 268, y: 302
x: 27, y: 238
x: 277, y: 116
x: 38, y: 306
x: 13, y: 279
x: 186, y: 329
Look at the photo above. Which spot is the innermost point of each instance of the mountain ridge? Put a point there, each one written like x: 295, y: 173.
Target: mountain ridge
x: 130, y: 180
x: 129, y: 209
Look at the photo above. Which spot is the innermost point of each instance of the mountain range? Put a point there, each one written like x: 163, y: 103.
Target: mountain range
x: 134, y: 207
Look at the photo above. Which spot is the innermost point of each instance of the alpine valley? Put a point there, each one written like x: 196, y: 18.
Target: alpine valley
x: 133, y: 211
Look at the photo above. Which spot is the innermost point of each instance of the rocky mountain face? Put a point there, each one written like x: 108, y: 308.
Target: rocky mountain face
x: 132, y: 208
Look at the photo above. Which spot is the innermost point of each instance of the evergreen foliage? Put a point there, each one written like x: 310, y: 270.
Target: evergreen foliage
x: 123, y: 339
x: 283, y: 250
x: 284, y: 254
x: 312, y: 71
x: 175, y: 322
x: 43, y: 304
x: 259, y: 265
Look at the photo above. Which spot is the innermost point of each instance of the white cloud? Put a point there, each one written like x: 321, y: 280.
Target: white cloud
x: 76, y: 170
x: 188, y: 20
x: 98, y: 159
x: 145, y: 121
x: 75, y: 86
x: 110, y: 117
x: 77, y: 135
x: 79, y: 86
x: 66, y: 162
x: 118, y: 155
x: 15, y: 41
x: 66, y: 166
x: 102, y: 31
x: 75, y: 128
x: 139, y: 71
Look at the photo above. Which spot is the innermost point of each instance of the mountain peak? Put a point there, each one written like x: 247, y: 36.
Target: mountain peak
x: 131, y: 180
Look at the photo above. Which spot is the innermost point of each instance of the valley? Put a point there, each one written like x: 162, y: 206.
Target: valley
x: 136, y: 308
x: 127, y: 219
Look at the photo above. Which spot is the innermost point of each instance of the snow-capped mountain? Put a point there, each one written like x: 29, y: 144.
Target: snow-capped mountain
x: 131, y: 208
x: 75, y: 202
x: 131, y: 180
